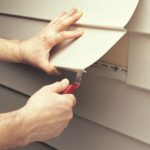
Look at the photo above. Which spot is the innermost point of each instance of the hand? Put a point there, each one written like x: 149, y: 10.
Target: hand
x: 36, y: 51
x: 47, y: 113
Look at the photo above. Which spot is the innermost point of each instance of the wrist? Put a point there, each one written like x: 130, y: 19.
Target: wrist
x: 14, y: 47
x: 9, y: 50
x: 12, y: 130
x: 26, y: 52
x: 20, y: 129
x: 28, y: 125
x: 16, y: 50
x: 19, y: 49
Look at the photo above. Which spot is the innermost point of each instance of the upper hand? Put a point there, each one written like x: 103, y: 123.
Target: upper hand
x: 36, y: 51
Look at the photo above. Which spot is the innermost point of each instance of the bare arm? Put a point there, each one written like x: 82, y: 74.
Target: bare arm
x: 28, y: 124
x: 9, y: 50
x: 11, y: 131
x: 45, y: 115
x: 36, y: 50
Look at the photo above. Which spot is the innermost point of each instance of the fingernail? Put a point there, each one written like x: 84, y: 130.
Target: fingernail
x: 65, y: 82
x: 72, y: 8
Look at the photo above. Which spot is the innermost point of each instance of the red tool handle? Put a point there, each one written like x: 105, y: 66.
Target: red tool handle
x: 71, y: 88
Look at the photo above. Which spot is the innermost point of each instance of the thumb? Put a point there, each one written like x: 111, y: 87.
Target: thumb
x: 48, y: 68
x: 59, y: 87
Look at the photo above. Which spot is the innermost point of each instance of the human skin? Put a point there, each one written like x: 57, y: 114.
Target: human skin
x: 36, y: 50
x: 48, y: 112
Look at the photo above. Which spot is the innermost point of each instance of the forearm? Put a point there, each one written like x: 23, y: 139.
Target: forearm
x: 45, y: 115
x: 11, y: 130
x: 9, y: 50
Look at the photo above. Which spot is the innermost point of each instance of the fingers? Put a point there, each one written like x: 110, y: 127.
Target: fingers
x: 68, y: 100
x: 64, y: 35
x: 55, y: 31
x: 48, y: 68
x: 69, y: 13
x: 66, y: 19
x: 70, y: 19
x: 71, y: 34
x: 72, y: 100
x: 62, y: 14
x: 59, y: 87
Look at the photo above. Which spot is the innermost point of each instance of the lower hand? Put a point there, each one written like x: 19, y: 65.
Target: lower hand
x: 47, y: 113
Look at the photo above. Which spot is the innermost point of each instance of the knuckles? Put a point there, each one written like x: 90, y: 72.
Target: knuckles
x: 70, y: 116
x: 69, y: 101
